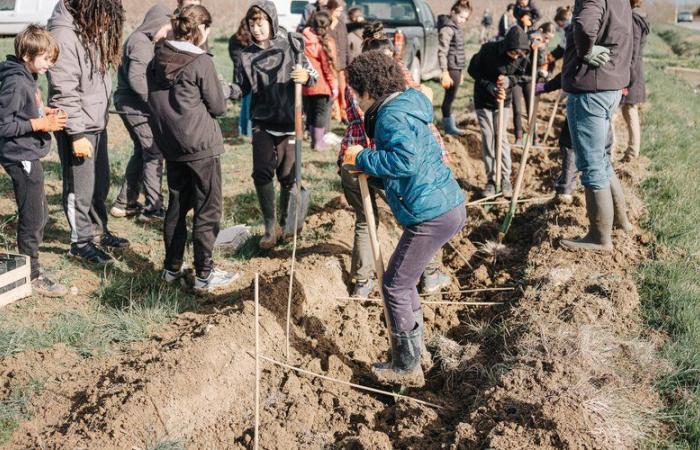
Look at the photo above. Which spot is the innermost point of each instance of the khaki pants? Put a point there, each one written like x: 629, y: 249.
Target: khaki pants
x: 631, y: 115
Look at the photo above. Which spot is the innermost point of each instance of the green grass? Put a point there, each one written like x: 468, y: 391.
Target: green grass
x: 683, y: 41
x: 14, y: 408
x: 669, y: 284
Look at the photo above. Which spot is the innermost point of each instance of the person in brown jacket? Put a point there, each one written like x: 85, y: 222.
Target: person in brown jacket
x: 596, y: 68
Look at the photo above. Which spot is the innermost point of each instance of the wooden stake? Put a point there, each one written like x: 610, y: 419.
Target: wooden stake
x: 525, y: 200
x: 551, y: 119
x: 499, y: 145
x: 374, y: 240
x: 521, y: 176
x: 481, y: 200
x: 533, y: 84
x: 257, y: 360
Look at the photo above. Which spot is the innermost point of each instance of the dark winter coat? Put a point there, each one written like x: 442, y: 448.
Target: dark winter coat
x: 492, y: 61
x: 18, y: 104
x: 185, y: 96
x: 637, y: 88
x: 607, y: 23
x: 131, y: 95
x: 266, y: 74
x: 354, y: 40
x: 451, y: 49
x: 340, y: 36
x: 75, y: 86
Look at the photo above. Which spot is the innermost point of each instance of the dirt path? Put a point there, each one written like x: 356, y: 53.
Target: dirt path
x: 563, y: 363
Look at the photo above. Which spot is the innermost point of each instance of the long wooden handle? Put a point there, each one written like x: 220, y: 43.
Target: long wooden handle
x: 550, y: 124
x: 499, y: 145
x: 374, y: 240
x: 298, y: 128
x: 533, y: 85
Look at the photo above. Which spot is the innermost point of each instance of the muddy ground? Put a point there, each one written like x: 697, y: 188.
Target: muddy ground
x: 562, y: 362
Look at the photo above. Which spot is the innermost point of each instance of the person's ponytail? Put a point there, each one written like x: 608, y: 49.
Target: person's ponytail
x: 187, y: 21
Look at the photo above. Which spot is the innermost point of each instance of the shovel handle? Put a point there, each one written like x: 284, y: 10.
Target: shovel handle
x: 499, y: 145
x: 298, y: 125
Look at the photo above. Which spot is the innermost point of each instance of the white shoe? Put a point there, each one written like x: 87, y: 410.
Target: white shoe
x: 331, y: 138
x: 216, y: 279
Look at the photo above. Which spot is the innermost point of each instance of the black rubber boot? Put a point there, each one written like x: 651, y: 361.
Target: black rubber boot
x: 599, y: 205
x: 620, y: 205
x: 266, y: 197
x: 405, y: 366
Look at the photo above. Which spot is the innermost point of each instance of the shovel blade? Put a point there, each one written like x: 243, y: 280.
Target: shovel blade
x: 297, y: 210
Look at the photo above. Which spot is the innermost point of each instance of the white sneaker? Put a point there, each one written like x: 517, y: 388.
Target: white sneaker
x: 216, y: 280
x: 331, y: 138
x: 171, y: 277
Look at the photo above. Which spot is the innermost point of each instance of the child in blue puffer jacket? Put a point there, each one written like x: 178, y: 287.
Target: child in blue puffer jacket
x: 420, y: 189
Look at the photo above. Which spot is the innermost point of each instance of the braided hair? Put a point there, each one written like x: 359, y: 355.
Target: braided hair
x: 320, y: 23
x: 99, y: 24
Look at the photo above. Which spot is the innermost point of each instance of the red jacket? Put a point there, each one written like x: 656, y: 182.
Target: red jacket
x: 327, y: 83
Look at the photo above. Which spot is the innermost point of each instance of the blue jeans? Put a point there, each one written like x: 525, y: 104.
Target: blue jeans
x: 589, y: 117
x: 245, y: 125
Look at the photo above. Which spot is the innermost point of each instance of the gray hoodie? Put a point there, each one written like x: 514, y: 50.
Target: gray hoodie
x: 74, y: 85
x: 131, y: 95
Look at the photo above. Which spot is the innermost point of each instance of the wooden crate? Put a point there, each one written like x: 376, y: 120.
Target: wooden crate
x: 15, y: 278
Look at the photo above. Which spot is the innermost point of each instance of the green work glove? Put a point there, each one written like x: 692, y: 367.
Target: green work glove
x: 598, y: 56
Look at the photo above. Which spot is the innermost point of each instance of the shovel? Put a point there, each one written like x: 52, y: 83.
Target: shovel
x: 299, y: 202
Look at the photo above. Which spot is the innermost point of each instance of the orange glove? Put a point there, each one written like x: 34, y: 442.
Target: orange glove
x: 50, y: 123
x: 446, y: 80
x: 350, y: 158
x: 82, y: 148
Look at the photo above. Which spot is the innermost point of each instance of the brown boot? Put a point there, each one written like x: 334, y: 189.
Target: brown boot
x: 599, y: 205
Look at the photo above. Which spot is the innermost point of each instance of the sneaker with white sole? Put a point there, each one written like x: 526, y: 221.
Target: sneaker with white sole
x: 217, y: 279
x: 129, y: 210
x: 171, y: 277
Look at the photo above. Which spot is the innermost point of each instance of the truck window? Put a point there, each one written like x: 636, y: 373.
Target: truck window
x: 7, y: 5
x: 392, y: 13
x: 297, y: 6
x: 425, y: 14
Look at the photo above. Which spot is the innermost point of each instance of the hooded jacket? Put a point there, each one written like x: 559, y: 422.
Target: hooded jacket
x: 131, y: 95
x: 637, y: 88
x: 185, y: 96
x: 355, y: 40
x: 327, y: 83
x: 492, y: 61
x: 419, y: 186
x: 266, y: 74
x: 451, y: 49
x: 18, y: 105
x: 607, y: 23
x: 75, y: 86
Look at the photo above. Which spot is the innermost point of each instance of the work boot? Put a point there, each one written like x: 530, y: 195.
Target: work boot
x: 405, y: 366
x: 599, y: 206
x: 450, y: 126
x: 506, y: 188
x: 489, y: 190
x: 47, y: 287
x: 434, y: 281
x: 620, y: 206
x: 266, y: 197
x: 317, y: 139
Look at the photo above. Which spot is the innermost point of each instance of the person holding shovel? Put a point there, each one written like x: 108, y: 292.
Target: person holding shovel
x: 267, y: 72
x: 420, y: 189
x: 597, y: 65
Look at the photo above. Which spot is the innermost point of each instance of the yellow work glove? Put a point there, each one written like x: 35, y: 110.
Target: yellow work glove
x: 350, y: 158
x: 300, y: 75
x: 50, y: 123
x: 446, y: 80
x: 82, y: 148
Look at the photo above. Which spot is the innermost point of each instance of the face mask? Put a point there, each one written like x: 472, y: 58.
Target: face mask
x: 567, y: 23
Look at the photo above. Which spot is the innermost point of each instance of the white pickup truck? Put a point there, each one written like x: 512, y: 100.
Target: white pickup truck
x: 15, y: 15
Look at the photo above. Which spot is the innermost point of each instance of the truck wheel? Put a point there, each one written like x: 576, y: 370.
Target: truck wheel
x: 415, y: 69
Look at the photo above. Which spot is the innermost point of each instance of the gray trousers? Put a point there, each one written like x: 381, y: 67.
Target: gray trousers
x: 362, y: 266
x: 488, y: 122
x: 85, y: 187
x: 145, y: 167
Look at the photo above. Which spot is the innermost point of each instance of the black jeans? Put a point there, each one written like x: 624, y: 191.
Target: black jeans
x: 85, y: 187
x: 32, y: 210
x: 272, y: 155
x: 451, y: 93
x: 318, y: 110
x: 193, y: 185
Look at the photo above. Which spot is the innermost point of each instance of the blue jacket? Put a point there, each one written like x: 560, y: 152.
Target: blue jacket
x: 419, y: 186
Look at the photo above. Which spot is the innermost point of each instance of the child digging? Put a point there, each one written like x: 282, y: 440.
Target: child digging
x: 89, y: 36
x: 452, y: 60
x: 496, y: 68
x: 421, y: 191
x: 185, y: 96
x: 25, y: 125
x: 268, y: 72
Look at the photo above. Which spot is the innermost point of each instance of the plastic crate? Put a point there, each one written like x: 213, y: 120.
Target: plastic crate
x: 15, y: 278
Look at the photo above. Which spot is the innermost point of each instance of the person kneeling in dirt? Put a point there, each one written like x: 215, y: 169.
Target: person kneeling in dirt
x: 597, y: 65
x: 362, y: 266
x: 268, y: 72
x: 496, y: 68
x: 420, y: 189
x: 185, y: 97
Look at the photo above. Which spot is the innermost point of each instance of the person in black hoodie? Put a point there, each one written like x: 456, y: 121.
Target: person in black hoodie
x: 145, y: 166
x: 25, y: 125
x: 268, y: 72
x: 452, y: 60
x: 496, y: 68
x: 185, y: 96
